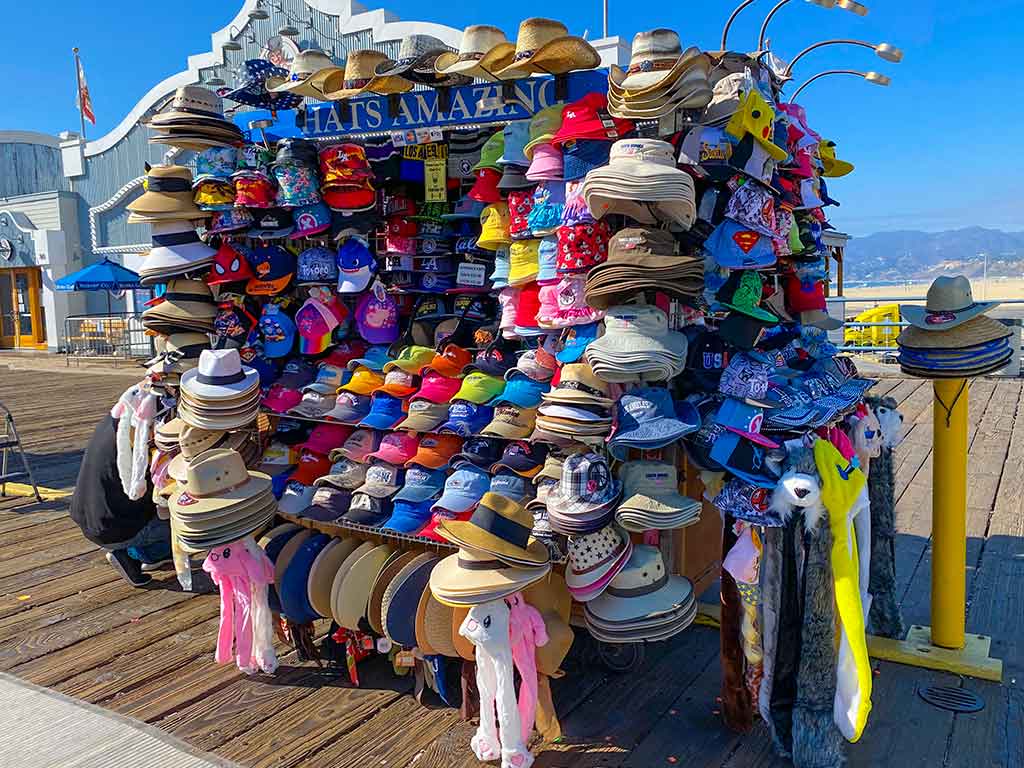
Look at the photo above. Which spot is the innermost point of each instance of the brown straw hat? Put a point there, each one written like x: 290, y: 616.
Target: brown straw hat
x: 167, y: 195
x: 978, y: 330
x: 437, y: 625
x: 544, y: 46
x: 360, y: 70
x: 463, y: 646
x: 483, y: 51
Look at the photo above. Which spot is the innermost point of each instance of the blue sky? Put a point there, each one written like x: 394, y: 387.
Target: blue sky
x: 938, y: 149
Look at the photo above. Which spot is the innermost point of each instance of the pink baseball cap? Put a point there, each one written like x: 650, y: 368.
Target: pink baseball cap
x: 316, y: 322
x: 546, y: 164
x: 437, y: 388
x: 280, y: 399
x: 326, y: 437
x: 396, y: 448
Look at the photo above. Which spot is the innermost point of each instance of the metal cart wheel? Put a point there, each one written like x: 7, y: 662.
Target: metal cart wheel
x: 620, y: 657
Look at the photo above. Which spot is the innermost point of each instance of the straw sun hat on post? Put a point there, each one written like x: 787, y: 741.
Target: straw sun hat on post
x: 544, y: 46
x: 484, y: 50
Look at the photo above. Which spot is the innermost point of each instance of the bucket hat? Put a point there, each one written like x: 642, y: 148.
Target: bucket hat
x: 949, y: 303
x: 306, y: 75
x: 483, y: 51
x: 642, y: 181
x: 414, y: 64
x: 834, y: 167
x: 648, y: 418
x: 545, y: 46
x: 637, y: 343
x: 641, y: 590
x: 294, y: 590
x: 651, y: 498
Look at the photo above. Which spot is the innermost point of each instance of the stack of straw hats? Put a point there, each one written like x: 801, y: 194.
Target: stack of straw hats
x: 951, y: 336
x: 642, y: 602
x: 660, y: 79
x: 176, y: 354
x: 586, y: 497
x: 186, y: 305
x: 167, y: 196
x: 497, y: 554
x: 579, y: 407
x: 651, y: 498
x: 194, y: 120
x: 193, y: 441
x: 221, y: 501
x: 220, y: 393
x: 637, y: 344
x: 641, y: 181
x: 644, y: 259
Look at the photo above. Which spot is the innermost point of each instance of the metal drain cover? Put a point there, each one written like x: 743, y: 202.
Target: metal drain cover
x: 951, y: 699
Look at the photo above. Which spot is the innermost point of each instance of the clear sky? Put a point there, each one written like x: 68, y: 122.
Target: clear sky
x: 938, y: 149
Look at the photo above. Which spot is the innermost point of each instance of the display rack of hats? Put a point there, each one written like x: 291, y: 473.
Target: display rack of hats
x: 506, y: 373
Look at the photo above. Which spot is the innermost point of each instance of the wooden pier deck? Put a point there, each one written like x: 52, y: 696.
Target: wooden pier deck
x: 69, y: 623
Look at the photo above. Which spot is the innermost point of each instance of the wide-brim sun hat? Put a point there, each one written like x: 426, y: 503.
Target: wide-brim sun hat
x: 498, y: 526
x: 434, y: 622
x: 469, y: 578
x: 978, y: 330
x: 545, y: 46
x: 323, y: 571
x: 949, y: 303
x: 339, y: 577
x: 395, y: 563
x: 355, y: 588
x: 402, y: 598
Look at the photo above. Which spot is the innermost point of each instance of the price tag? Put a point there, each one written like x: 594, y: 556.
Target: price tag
x: 435, y: 180
x: 405, y: 659
x: 472, y: 274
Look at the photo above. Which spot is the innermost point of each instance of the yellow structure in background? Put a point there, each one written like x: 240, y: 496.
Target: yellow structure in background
x: 875, y: 336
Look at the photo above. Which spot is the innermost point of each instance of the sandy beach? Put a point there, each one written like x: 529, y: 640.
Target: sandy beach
x: 997, y: 289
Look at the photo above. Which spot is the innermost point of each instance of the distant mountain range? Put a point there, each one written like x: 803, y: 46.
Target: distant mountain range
x: 911, y: 255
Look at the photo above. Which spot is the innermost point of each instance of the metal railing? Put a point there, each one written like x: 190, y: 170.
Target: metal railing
x: 114, y: 337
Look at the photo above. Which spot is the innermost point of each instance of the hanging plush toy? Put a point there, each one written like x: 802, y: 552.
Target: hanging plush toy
x: 487, y: 627
x: 884, y: 618
x: 242, y: 576
x: 526, y: 632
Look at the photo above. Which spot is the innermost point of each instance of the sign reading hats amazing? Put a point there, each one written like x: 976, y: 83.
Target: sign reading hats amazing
x: 478, y: 103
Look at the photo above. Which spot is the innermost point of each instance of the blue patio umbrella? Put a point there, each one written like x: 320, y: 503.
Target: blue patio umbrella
x: 104, y: 275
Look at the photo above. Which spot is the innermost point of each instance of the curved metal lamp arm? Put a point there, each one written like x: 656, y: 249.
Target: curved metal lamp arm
x: 764, y: 26
x: 731, y: 19
x: 809, y: 48
x: 820, y: 75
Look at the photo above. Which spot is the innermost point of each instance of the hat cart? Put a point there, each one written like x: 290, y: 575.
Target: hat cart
x: 324, y: 320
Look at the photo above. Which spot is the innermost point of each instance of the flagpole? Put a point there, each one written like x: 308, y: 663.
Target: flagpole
x: 78, y: 80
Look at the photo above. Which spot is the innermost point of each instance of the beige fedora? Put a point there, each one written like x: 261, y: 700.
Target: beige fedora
x: 544, y: 46
x: 324, y: 569
x: 360, y: 70
x: 355, y: 589
x: 483, y: 51
x: 199, y: 440
x: 306, y: 73
x: 499, y: 527
x: 168, y: 193
x: 339, y: 577
x: 374, y: 608
x: 217, y: 480
x: 470, y: 578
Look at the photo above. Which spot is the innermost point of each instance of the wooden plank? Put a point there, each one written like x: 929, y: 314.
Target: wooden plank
x: 63, y: 609
x: 30, y: 520
x: 18, y: 583
x: 40, y: 529
x: 991, y: 737
x: 394, y: 737
x: 755, y: 750
x: 88, y: 576
x: 43, y: 541
x: 68, y: 549
x: 29, y: 645
x: 240, y: 707
x: 101, y: 649
x: 175, y: 687
x: 294, y: 733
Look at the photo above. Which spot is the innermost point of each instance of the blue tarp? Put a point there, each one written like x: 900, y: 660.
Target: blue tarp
x: 102, y: 276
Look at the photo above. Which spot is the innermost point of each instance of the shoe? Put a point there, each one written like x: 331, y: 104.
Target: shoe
x: 129, y: 568
x: 159, y: 566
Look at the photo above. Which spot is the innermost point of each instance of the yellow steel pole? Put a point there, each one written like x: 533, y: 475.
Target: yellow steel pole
x: 949, y: 513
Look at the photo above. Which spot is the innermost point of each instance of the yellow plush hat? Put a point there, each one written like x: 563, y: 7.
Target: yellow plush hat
x: 757, y: 118
x: 834, y: 167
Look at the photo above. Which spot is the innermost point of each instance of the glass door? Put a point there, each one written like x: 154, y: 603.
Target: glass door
x: 7, y: 316
x: 24, y: 303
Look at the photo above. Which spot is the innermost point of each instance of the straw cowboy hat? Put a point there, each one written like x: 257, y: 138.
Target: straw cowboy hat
x: 979, y: 330
x: 196, y: 105
x: 306, y: 75
x: 194, y: 441
x: 483, y: 51
x: 545, y: 46
x: 360, y: 70
x: 417, y: 55
x: 949, y: 303
x: 656, y: 61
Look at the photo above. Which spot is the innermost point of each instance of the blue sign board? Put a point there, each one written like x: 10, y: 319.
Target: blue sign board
x: 470, y: 104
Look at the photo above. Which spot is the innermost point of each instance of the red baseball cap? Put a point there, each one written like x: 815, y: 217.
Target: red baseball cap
x: 804, y: 296
x: 229, y: 265
x: 588, y: 118
x: 430, y: 531
x: 311, y: 466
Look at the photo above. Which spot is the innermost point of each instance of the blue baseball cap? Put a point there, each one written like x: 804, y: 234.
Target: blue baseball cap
x: 278, y: 331
x: 430, y: 282
x: 735, y: 246
x: 743, y: 459
x: 466, y: 418
x: 356, y: 266
x: 316, y: 265
x: 268, y: 369
x: 466, y: 208
x: 512, y: 486
x: 521, y: 390
x: 408, y: 516
x: 463, y: 489
x: 574, y: 340
x: 744, y: 420
x: 273, y: 268
x: 385, y: 412
x: 375, y: 358
x: 421, y: 484
x: 350, y: 408
x: 580, y: 156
